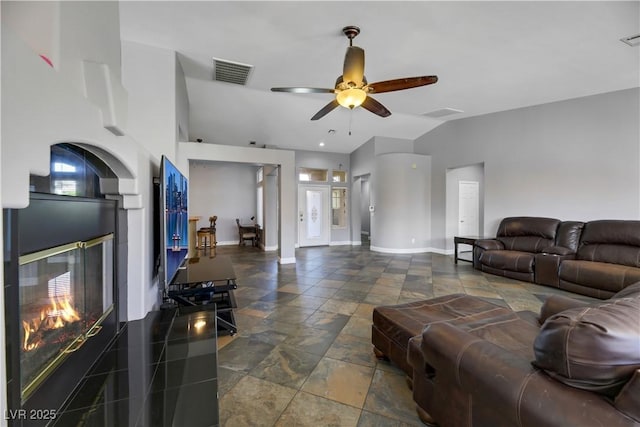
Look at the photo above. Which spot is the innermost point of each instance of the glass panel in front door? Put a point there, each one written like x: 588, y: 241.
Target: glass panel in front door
x: 314, y: 214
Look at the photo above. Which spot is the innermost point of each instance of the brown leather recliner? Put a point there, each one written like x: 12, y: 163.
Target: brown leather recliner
x: 512, y: 252
x: 510, y: 371
x: 607, y: 260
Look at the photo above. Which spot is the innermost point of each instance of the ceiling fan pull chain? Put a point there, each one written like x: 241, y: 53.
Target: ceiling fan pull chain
x: 350, y: 119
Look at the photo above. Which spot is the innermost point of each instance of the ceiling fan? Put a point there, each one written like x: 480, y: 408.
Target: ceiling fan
x: 352, y: 89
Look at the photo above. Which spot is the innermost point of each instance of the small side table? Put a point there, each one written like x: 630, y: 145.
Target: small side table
x: 465, y: 240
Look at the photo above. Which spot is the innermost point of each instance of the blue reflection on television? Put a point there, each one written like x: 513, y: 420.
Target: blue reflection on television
x: 176, y: 218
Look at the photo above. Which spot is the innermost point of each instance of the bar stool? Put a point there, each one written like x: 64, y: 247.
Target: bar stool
x: 207, y: 235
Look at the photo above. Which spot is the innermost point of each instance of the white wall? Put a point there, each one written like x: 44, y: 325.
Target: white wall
x: 42, y: 106
x: 182, y: 104
x: 149, y: 74
x: 573, y: 160
x: 227, y: 190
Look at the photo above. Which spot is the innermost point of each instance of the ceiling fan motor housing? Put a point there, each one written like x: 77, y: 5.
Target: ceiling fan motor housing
x: 351, y: 31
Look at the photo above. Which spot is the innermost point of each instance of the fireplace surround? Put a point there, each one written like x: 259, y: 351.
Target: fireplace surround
x: 60, y: 296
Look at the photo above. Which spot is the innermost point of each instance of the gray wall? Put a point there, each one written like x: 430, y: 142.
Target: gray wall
x: 227, y: 190
x: 365, y: 197
x: 574, y: 160
x: 400, y: 195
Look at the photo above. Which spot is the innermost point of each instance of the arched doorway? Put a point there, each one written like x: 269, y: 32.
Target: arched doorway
x: 62, y: 288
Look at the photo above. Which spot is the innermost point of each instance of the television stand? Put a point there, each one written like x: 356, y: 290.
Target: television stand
x: 201, y: 281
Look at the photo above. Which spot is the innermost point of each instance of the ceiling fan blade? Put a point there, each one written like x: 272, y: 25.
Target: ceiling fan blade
x: 375, y: 107
x: 326, y: 109
x: 353, y: 70
x: 400, y: 84
x: 302, y: 90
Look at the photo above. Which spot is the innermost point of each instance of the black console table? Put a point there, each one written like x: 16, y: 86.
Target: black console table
x: 464, y: 240
x: 207, y: 280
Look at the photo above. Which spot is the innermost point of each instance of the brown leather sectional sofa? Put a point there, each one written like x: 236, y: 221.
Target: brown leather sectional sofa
x: 473, y: 363
x: 596, y: 258
x: 578, y: 364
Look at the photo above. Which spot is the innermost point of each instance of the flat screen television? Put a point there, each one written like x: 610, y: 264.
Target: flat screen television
x: 174, y: 188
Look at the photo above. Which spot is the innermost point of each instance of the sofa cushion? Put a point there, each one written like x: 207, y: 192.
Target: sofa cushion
x: 599, y: 275
x: 594, y: 348
x: 528, y: 226
x: 527, y: 234
x: 508, y: 260
x: 612, y: 241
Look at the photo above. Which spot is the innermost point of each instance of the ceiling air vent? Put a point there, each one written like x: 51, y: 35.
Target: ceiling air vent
x: 442, y: 112
x: 631, y: 40
x: 231, y: 72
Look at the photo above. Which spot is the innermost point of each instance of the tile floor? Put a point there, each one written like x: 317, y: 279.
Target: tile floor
x: 303, y: 354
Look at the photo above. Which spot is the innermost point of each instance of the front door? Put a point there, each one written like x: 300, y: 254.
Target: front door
x: 313, y: 215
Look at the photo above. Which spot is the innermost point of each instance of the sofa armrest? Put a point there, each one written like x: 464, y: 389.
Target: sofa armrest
x: 557, y: 303
x: 482, y: 245
x: 489, y: 244
x: 493, y: 377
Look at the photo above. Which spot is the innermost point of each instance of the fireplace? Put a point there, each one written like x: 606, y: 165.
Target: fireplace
x: 65, y: 293
x: 61, y: 299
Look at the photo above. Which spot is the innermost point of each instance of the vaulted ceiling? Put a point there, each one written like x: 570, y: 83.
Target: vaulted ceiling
x: 488, y: 56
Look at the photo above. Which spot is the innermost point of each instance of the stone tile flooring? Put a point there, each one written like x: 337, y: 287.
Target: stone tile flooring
x: 303, y: 352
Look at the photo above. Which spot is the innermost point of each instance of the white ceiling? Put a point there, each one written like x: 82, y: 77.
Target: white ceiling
x: 488, y: 56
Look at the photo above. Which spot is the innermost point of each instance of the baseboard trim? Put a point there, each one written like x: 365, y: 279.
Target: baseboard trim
x: 442, y: 251
x: 227, y: 243
x: 291, y: 260
x: 341, y: 243
x: 401, y: 250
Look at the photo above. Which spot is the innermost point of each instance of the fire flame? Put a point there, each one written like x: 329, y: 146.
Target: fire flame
x: 57, y: 315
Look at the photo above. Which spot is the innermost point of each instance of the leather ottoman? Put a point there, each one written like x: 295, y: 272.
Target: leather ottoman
x: 394, y: 325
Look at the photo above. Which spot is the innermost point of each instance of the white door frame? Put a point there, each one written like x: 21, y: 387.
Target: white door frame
x: 324, y: 236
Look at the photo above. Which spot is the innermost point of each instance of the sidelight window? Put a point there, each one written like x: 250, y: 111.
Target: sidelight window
x: 339, y: 207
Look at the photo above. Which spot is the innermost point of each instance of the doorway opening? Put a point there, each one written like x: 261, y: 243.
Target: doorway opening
x: 464, y: 203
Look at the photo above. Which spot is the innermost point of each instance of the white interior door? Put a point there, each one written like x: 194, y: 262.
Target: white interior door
x: 313, y: 215
x: 468, y: 208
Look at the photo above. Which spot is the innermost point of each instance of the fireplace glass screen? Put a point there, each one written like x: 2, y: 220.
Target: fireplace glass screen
x: 65, y: 292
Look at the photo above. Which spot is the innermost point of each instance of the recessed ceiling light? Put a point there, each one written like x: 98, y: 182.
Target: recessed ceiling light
x: 321, y: 144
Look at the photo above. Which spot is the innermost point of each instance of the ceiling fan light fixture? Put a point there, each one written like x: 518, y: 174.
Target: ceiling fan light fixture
x: 351, y: 98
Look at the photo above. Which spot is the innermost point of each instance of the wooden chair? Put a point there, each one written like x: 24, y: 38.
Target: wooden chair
x: 208, y: 233
x: 246, y: 233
